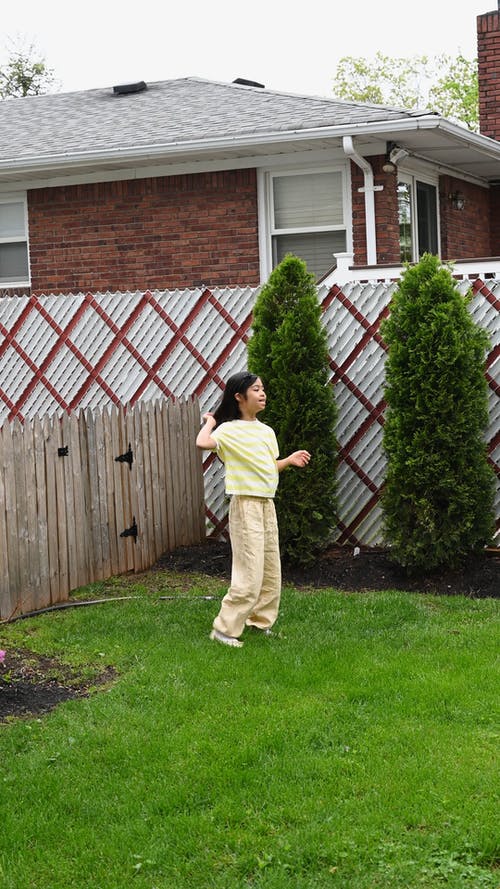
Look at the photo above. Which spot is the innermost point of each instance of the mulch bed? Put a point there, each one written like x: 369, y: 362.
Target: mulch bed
x: 343, y: 568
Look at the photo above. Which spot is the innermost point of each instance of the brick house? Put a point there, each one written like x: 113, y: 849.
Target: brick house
x: 190, y: 182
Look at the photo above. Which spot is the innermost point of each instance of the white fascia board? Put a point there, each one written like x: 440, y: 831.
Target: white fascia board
x: 318, y: 157
x: 184, y: 149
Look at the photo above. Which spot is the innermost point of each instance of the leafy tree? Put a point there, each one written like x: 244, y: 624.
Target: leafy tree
x: 288, y: 350
x: 25, y: 74
x: 456, y: 92
x: 446, y: 84
x: 438, y: 494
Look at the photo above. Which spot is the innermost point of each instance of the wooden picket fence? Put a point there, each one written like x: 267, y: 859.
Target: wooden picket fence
x: 94, y: 494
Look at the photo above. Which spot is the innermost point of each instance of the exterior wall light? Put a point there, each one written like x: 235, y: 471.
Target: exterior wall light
x: 388, y: 166
x: 457, y: 200
x: 393, y: 155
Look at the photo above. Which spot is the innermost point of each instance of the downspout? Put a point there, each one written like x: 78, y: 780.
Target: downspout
x: 369, y: 188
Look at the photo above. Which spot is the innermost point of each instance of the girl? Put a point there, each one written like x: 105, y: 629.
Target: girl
x: 249, y: 451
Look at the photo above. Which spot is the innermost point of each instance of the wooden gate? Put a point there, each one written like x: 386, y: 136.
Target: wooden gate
x: 95, y: 494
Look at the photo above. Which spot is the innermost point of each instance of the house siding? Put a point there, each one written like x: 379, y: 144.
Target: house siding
x: 158, y: 233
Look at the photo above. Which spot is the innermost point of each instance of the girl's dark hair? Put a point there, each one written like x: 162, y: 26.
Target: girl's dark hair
x: 229, y: 409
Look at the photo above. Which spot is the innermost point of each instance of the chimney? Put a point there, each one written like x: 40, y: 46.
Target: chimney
x: 488, y: 58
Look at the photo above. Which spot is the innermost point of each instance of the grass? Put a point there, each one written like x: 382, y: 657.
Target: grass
x: 356, y: 749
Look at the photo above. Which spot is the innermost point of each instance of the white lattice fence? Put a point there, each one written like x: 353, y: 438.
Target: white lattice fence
x: 62, y: 352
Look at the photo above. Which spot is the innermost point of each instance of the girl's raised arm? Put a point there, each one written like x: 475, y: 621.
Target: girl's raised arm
x: 204, y: 440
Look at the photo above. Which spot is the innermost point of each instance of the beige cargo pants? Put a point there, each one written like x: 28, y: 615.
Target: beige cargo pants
x: 254, y: 595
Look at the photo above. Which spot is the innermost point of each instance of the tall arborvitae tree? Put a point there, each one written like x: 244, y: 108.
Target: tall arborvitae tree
x: 438, y: 496
x: 288, y: 350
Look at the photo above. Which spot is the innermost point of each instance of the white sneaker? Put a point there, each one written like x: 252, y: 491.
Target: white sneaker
x: 217, y: 636
x: 262, y: 631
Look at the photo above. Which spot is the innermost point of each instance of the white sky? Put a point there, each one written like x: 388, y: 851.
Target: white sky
x: 286, y: 46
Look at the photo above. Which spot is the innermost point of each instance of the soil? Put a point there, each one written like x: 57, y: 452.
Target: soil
x: 32, y: 685
x: 345, y: 568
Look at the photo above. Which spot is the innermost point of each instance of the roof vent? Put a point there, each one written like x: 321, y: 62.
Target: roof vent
x: 124, y: 88
x: 242, y: 82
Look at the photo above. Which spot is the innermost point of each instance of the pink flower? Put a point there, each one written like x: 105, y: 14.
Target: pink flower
x: 2, y: 656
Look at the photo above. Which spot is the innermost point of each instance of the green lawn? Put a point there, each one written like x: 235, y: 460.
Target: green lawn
x: 358, y: 748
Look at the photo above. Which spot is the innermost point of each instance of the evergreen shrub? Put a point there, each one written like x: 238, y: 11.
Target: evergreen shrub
x: 438, y: 495
x: 288, y: 350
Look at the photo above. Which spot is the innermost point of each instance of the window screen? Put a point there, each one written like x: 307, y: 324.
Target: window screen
x: 308, y: 219
x: 13, y: 243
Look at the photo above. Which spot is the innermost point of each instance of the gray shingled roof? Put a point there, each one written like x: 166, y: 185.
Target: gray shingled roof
x: 171, y: 112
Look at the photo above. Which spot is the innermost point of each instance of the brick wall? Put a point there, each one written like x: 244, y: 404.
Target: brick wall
x: 495, y: 220
x: 14, y: 291
x: 162, y: 233
x: 358, y: 216
x: 464, y: 233
x: 386, y: 213
x: 186, y: 231
x: 488, y: 56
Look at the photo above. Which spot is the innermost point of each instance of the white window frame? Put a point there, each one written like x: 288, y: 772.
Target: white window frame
x: 17, y: 198
x: 410, y: 177
x: 267, y: 228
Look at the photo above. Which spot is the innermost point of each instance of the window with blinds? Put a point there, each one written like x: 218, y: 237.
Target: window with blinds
x: 308, y: 218
x: 13, y: 243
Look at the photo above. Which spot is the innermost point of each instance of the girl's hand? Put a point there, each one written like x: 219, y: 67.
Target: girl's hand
x: 207, y: 418
x: 204, y: 440
x: 299, y: 458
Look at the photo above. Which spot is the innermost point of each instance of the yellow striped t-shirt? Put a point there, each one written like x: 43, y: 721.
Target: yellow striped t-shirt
x: 249, y: 450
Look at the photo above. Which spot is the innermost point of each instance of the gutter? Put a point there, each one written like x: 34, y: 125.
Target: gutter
x: 369, y: 190
x: 120, y: 163
x: 131, y: 154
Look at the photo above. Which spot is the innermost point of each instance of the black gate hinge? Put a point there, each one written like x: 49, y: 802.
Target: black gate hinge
x: 63, y: 452
x: 131, y: 532
x: 127, y: 457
